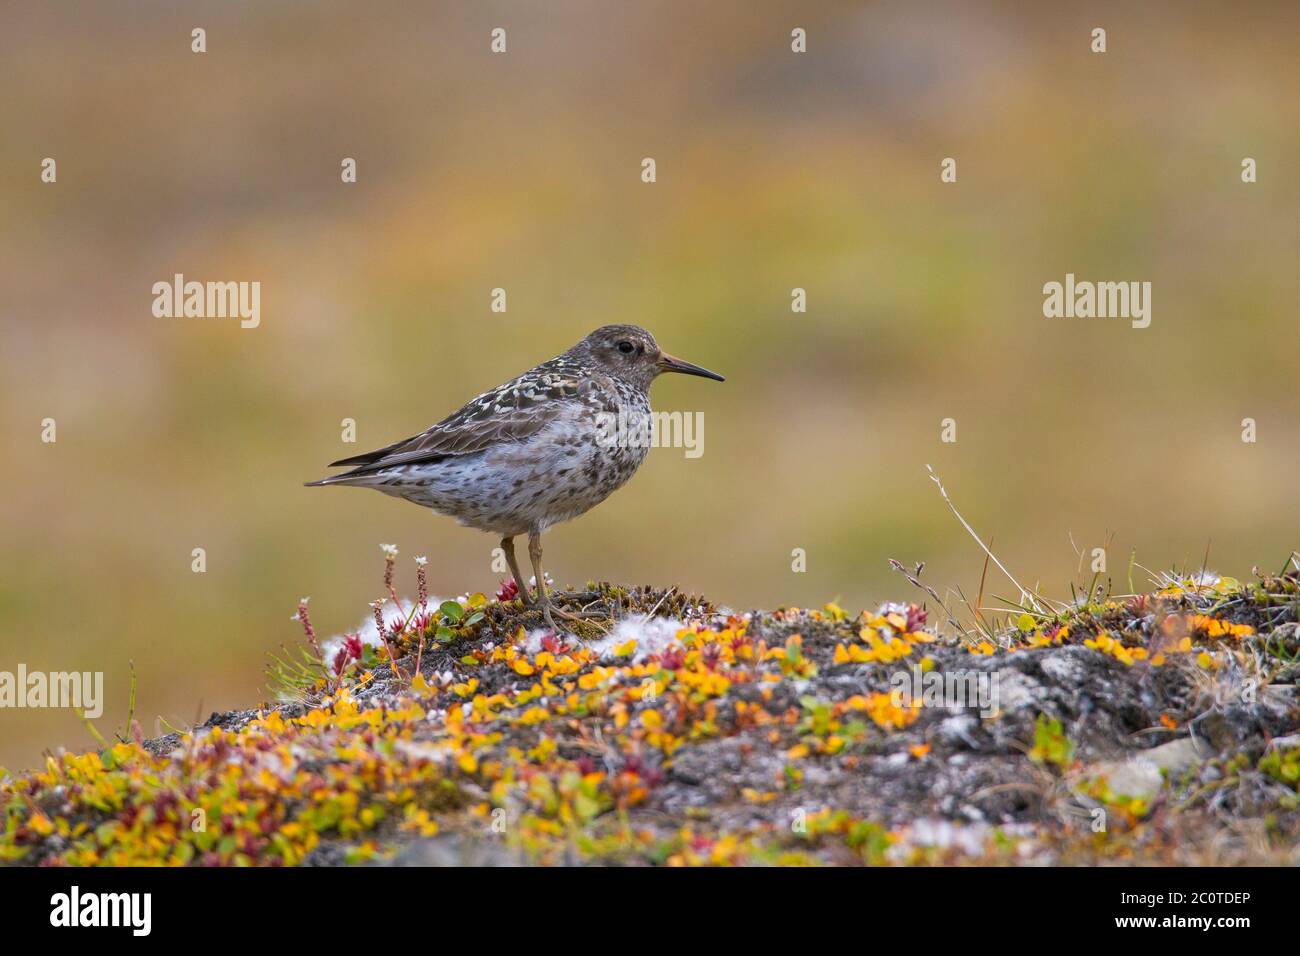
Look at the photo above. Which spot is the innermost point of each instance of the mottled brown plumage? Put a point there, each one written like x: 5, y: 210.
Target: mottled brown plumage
x: 528, y: 454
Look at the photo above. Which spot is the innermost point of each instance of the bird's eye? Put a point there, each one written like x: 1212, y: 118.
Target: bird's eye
x: 625, y: 347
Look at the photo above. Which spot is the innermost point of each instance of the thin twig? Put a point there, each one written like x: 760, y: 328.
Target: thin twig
x: 916, y: 582
x: 1024, y: 592
x: 661, y: 600
x: 979, y: 598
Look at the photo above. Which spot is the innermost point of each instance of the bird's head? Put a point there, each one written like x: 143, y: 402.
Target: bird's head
x: 630, y: 353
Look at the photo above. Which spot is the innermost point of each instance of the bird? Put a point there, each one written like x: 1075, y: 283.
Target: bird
x: 542, y: 448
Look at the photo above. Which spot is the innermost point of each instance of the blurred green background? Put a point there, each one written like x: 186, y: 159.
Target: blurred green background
x: 522, y: 170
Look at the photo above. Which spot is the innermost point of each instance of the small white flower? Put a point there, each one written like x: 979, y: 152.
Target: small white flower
x: 652, y: 634
x: 389, y: 549
x: 419, y: 562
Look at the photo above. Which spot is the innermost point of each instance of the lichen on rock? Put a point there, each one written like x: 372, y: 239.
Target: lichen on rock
x: 1125, y: 730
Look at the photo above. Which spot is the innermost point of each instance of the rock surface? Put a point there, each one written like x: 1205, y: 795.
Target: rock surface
x: 1154, y: 729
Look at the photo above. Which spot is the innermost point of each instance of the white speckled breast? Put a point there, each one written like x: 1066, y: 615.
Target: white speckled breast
x: 524, y: 487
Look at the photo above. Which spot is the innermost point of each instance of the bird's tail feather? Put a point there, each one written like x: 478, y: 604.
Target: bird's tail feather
x: 367, y: 458
x: 347, y: 478
x: 364, y: 465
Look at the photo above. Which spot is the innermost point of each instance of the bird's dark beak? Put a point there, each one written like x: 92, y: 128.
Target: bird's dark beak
x: 669, y: 363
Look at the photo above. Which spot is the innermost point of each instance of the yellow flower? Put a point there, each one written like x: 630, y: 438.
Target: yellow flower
x: 533, y: 715
x: 316, y: 719
x: 420, y: 685
x: 417, y: 820
x: 594, y: 678
x: 854, y: 654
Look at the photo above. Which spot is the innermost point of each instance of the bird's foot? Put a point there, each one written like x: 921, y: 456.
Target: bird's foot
x: 587, y: 615
x: 583, y: 615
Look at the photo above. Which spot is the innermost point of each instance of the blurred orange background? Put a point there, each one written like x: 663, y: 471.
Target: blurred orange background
x: 775, y: 170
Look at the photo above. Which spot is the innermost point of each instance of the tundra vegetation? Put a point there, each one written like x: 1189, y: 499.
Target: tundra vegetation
x: 1152, y: 727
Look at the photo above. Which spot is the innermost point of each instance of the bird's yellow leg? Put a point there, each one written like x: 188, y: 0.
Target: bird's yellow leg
x: 543, y: 596
x: 508, y: 546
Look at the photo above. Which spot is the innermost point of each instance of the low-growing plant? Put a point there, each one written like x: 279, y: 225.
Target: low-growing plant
x: 1051, y: 746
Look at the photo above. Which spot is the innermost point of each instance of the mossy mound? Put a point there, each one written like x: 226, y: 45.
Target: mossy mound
x: 1158, y: 728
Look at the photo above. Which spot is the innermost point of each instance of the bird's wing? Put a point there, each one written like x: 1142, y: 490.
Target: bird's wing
x: 509, y: 413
